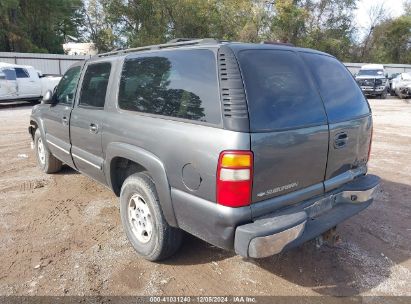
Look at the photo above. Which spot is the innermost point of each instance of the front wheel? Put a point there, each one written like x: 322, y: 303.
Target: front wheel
x: 46, y: 161
x: 143, y: 220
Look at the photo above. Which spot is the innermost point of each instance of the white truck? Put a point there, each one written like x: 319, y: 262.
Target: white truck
x: 373, y: 81
x: 21, y: 82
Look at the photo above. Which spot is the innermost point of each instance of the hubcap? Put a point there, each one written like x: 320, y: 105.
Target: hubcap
x: 140, y: 219
x: 40, y: 151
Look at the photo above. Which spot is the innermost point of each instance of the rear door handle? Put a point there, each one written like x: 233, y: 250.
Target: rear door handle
x: 64, y: 121
x: 93, y: 128
x: 340, y: 140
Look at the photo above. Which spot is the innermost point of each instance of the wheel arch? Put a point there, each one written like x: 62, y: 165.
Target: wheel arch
x: 140, y: 160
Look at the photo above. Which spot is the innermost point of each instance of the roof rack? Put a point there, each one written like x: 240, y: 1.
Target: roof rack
x: 277, y: 43
x: 178, y: 42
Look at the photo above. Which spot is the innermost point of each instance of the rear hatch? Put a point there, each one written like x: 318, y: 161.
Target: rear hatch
x: 309, y: 123
x: 349, y: 119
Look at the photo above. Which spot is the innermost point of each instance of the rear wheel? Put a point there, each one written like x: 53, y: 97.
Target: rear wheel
x: 46, y: 161
x: 143, y: 220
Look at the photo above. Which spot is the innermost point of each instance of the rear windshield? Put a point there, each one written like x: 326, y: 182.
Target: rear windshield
x: 280, y: 93
x: 342, y: 96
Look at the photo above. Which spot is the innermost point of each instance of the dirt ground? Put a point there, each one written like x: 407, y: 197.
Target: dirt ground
x: 61, y: 234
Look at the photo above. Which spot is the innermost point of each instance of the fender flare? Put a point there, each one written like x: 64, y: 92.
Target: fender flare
x: 153, y: 165
x: 40, y: 126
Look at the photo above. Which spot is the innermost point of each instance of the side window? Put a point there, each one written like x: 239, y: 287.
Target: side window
x: 342, y: 96
x: 181, y: 84
x: 280, y: 92
x: 10, y: 74
x: 94, y: 87
x: 66, y: 88
x: 21, y: 73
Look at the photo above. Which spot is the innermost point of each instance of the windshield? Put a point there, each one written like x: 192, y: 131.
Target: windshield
x: 371, y: 73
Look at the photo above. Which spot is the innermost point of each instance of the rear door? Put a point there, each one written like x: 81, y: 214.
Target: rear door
x: 288, y: 125
x: 349, y: 119
x: 8, y: 84
x: 28, y: 82
x: 86, y: 121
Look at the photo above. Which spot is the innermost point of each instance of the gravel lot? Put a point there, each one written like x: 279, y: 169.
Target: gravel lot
x: 61, y: 234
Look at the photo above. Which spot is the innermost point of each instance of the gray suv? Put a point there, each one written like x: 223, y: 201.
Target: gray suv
x: 255, y: 148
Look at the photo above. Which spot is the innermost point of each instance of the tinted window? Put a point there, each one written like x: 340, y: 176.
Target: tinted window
x: 175, y: 83
x: 279, y: 91
x: 21, y: 73
x: 66, y: 88
x: 94, y: 87
x: 342, y: 97
x: 10, y: 74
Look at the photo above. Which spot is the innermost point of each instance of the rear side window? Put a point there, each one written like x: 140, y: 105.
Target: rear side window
x: 21, y: 73
x: 342, y: 97
x: 94, y: 86
x: 179, y: 84
x: 10, y: 74
x: 280, y: 92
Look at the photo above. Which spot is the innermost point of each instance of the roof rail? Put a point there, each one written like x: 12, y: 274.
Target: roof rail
x: 178, y: 42
x: 277, y: 43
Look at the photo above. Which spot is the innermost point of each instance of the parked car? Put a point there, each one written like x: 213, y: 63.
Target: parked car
x: 390, y: 79
x: 373, y: 80
x: 213, y: 138
x: 24, y: 83
x: 402, y: 85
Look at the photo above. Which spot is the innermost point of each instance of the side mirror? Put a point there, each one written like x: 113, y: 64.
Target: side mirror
x: 47, y: 98
x: 386, y: 75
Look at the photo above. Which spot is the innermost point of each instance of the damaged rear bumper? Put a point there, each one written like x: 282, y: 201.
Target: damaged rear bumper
x: 279, y: 231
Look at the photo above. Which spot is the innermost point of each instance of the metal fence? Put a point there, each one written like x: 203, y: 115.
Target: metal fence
x: 50, y: 64
x: 54, y: 64
x: 390, y: 68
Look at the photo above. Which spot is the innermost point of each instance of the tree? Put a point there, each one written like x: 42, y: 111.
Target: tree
x: 37, y: 25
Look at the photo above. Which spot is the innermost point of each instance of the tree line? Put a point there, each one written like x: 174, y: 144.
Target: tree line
x: 326, y: 25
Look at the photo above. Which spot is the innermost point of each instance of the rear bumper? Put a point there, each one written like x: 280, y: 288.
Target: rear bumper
x: 289, y: 228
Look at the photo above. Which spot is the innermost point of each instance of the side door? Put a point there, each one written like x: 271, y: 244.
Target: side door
x: 8, y: 84
x: 28, y: 84
x: 56, y: 119
x: 86, y: 121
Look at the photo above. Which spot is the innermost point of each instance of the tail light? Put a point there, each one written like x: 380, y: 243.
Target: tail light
x: 234, y: 178
x: 369, y: 148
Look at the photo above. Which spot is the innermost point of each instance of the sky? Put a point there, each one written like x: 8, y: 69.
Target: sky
x: 393, y: 7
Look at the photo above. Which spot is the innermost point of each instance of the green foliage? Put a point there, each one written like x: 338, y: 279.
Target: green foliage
x: 37, y: 25
x: 326, y: 25
x: 391, y: 41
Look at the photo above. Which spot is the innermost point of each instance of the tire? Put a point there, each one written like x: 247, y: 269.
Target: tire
x: 46, y: 161
x: 143, y: 220
x: 383, y: 95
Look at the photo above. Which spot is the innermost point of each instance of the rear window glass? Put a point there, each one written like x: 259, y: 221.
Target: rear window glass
x: 342, y: 97
x: 280, y: 92
x: 181, y: 84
